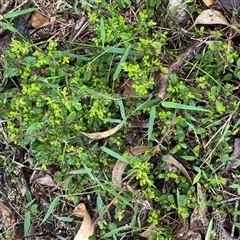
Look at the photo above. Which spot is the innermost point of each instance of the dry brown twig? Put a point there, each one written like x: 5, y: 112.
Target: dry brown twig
x: 161, y: 80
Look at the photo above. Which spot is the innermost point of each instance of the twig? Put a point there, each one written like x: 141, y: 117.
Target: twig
x: 229, y: 200
x: 161, y: 80
x: 234, y: 219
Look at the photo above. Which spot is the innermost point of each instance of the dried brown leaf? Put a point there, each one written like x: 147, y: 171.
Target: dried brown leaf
x: 46, y: 180
x: 149, y: 232
x: 211, y: 16
x: 120, y: 166
x: 7, y: 216
x: 87, y: 228
x: 38, y: 20
x: 174, y: 162
x: 101, y: 135
x: 208, y: 2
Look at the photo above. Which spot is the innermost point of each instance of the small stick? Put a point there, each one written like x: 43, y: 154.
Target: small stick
x: 234, y: 219
x: 161, y: 80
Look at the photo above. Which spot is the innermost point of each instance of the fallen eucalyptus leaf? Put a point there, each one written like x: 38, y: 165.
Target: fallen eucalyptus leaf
x: 38, y: 20
x: 87, y: 228
x: 46, y: 180
x: 211, y: 16
x: 149, y: 232
x: 120, y: 166
x: 101, y: 135
x: 174, y: 162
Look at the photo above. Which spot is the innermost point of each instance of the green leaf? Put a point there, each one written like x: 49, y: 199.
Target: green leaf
x: 156, y: 45
x: 79, y: 171
x: 183, y: 106
x: 64, y: 219
x: 149, y: 102
x: 71, y: 117
x: 50, y: 209
x: 114, y: 154
x: 236, y: 124
x: 11, y: 72
x: 151, y: 122
x: 27, y: 223
x: 117, y: 50
x: 119, y: 66
x: 234, y: 186
x: 164, y: 70
x: 188, y: 158
x: 89, y: 172
x: 122, y: 110
x: 209, y: 230
x: 8, y: 26
x: 102, y: 32
x: 19, y: 12
x: 113, y: 232
x: 197, y: 178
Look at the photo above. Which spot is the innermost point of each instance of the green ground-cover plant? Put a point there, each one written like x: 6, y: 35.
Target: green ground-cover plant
x: 61, y: 93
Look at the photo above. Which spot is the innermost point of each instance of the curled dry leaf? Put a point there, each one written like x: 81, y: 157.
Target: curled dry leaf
x: 208, y: 2
x: 120, y: 166
x: 38, y: 20
x: 174, y: 162
x: 87, y: 228
x: 101, y: 135
x: 211, y: 16
x: 7, y: 216
x: 149, y: 232
x: 46, y: 180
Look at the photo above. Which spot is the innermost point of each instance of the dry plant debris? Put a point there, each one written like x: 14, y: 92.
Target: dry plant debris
x: 87, y: 228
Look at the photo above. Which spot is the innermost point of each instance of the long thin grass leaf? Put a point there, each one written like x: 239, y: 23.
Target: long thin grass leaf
x: 117, y: 50
x: 151, y: 122
x: 114, y: 154
x: 122, y: 110
x: 27, y: 223
x: 102, y: 32
x: 209, y: 230
x: 119, y: 66
x: 89, y: 172
x: 113, y: 232
x: 50, y: 209
x: 183, y: 106
x: 8, y: 26
x: 149, y: 103
x: 19, y: 12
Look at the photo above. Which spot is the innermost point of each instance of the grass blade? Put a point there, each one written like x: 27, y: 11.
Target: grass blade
x: 183, y: 106
x: 123, y: 59
x: 122, y: 110
x: 209, y: 230
x: 51, y: 208
x: 114, y: 154
x: 19, y: 12
x: 102, y: 32
x: 27, y: 223
x: 8, y: 26
x: 95, y: 179
x: 117, y: 50
x: 151, y: 122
